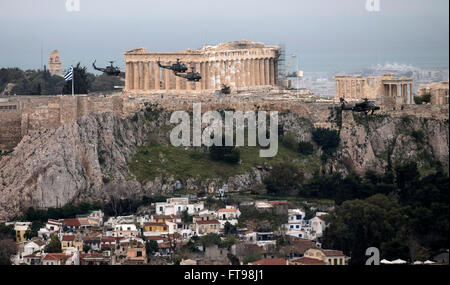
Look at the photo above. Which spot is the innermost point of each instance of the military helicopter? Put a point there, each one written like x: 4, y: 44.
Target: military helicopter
x: 109, y: 70
x: 366, y: 106
x: 190, y: 76
x: 176, y: 67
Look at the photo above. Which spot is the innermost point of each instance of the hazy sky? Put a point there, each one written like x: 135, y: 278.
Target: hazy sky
x: 326, y: 34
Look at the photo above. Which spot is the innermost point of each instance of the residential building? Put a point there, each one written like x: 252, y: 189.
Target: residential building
x: 331, y: 257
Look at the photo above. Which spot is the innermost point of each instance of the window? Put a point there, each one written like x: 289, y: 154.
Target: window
x: 299, y: 217
x: 139, y: 253
x: 292, y: 227
x: 335, y: 261
x: 297, y: 226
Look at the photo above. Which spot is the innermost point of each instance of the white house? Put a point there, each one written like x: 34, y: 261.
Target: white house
x: 125, y: 230
x: 177, y: 205
x: 318, y: 225
x: 295, y: 226
x: 228, y: 213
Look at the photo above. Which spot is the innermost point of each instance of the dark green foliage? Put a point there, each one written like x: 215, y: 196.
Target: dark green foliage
x: 225, y: 89
x: 185, y: 217
x: 31, y: 82
x: 54, y: 245
x: 151, y: 246
x: 305, y: 148
x: 360, y: 224
x: 252, y: 257
x: 106, y: 179
x: 229, y: 228
x: 33, y: 232
x: 86, y: 248
x: 227, y: 154
x: 267, y: 220
x: 289, y: 141
x: 209, y: 240
x: 419, y: 136
x: 408, y: 210
x: 68, y: 211
x: 102, y: 83
x: 81, y: 83
x: 7, y: 232
x: 284, y: 179
x: 327, y: 139
x: 424, y: 99
x: 8, y: 248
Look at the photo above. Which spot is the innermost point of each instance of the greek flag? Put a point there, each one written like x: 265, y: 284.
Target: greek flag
x: 69, y: 75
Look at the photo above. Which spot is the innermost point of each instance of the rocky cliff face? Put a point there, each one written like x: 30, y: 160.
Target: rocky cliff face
x: 88, y: 160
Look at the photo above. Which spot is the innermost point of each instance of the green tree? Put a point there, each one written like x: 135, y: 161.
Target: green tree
x: 151, y: 246
x: 290, y: 141
x: 54, y: 245
x: 284, y: 179
x: 86, y: 248
x: 356, y: 225
x: 7, y: 249
x: 210, y: 239
x: 305, y: 148
x: 185, y: 217
x: 81, y: 83
x: 327, y: 139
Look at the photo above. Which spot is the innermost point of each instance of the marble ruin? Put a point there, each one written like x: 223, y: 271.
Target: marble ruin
x: 438, y: 92
x: 239, y: 65
x: 54, y: 64
x: 384, y: 89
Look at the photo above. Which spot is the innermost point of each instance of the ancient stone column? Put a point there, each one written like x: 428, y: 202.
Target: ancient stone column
x: 224, y: 72
x: 136, y: 75
x: 256, y: 71
x: 141, y: 75
x: 267, y: 72
x: 271, y: 72
x: 167, y: 77
x: 129, y: 76
x: 275, y: 63
x: 198, y: 85
x: 206, y: 71
x: 234, y: 78
x: 217, y: 74
x: 410, y: 94
x: 262, y: 74
x: 203, y: 74
x: 157, y: 75
x: 146, y: 76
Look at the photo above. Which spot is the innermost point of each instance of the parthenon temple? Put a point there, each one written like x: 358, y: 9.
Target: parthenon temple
x: 238, y: 65
x: 384, y: 88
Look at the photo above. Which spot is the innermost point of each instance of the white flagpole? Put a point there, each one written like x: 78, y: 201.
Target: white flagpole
x: 73, y: 79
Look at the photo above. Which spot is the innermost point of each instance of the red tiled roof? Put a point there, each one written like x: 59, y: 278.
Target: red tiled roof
x: 72, y: 222
x: 56, y: 256
x: 91, y: 255
x: 108, y: 239
x: 155, y: 225
x: 308, y: 261
x: 68, y: 238
x: 208, y: 222
x: 270, y: 261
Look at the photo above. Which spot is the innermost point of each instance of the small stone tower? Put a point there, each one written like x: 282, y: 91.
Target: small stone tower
x: 54, y: 64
